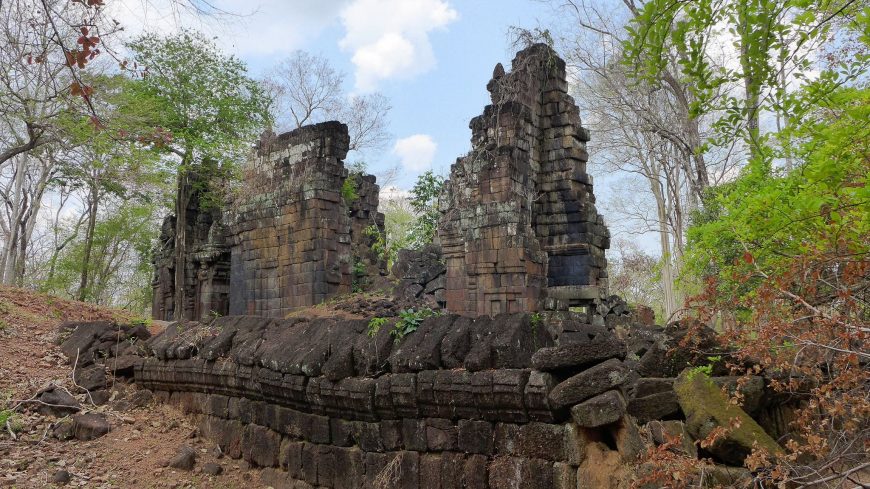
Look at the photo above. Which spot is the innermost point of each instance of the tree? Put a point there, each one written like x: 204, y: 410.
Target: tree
x: 210, y: 109
x: 790, y: 253
x: 784, y: 249
x: 633, y: 275
x: 424, y: 202
x: 773, y: 42
x: 306, y: 89
x: 112, y: 162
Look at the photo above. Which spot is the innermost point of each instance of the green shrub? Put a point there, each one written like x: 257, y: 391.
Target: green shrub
x: 375, y: 325
x: 409, y: 321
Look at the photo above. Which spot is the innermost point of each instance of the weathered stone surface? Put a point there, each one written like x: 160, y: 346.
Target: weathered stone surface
x: 706, y: 407
x: 55, y: 401
x: 751, y: 390
x: 594, y: 381
x: 476, y: 437
x: 578, y: 355
x: 728, y: 476
x: 185, y: 459
x: 90, y: 426
x: 600, y: 410
x: 661, y: 405
x: 422, y: 349
x: 290, y: 240
x: 441, y: 435
x: 508, y: 340
x: 212, y: 469
x: 519, y: 225
x: 61, y: 477
x: 533, y: 440
x: 667, y: 355
x: 515, y: 473
x: 90, y: 378
x: 667, y: 431
x: 421, y: 275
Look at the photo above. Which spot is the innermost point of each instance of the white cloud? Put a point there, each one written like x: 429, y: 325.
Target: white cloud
x: 261, y: 27
x: 393, y: 193
x: 390, y: 38
x: 416, y: 152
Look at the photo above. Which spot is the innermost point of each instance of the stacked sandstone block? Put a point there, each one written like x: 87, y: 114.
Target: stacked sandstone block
x: 292, y: 232
x: 477, y: 403
x: 518, y: 222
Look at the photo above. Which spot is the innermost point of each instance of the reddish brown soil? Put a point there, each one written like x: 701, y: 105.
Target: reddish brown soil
x: 142, y: 440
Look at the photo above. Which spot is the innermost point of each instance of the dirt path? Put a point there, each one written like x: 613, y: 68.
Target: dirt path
x: 142, y: 439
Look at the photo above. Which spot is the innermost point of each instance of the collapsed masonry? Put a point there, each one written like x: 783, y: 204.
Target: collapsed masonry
x: 290, y: 238
x: 519, y: 228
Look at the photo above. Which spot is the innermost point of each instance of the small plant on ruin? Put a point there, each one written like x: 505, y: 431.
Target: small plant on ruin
x: 409, y: 321
x: 358, y: 275
x: 375, y: 326
x: 348, y: 190
x: 378, y: 242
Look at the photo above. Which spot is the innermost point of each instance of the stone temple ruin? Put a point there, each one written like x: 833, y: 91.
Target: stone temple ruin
x: 290, y: 240
x: 486, y: 395
x: 519, y: 230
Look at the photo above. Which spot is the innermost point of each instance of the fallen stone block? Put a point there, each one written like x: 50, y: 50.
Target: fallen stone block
x: 707, y: 408
x: 589, y: 383
x: 600, y: 410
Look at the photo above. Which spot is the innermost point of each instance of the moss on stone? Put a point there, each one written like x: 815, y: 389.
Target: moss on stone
x: 706, y: 407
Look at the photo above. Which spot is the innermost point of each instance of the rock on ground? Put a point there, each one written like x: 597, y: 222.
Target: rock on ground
x: 90, y: 426
x: 706, y: 408
x: 184, y: 459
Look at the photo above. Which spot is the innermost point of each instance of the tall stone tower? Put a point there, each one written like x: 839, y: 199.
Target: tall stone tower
x: 519, y: 229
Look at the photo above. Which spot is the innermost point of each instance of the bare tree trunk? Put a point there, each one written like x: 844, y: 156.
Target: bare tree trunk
x: 10, y: 253
x: 667, y: 278
x: 93, y: 203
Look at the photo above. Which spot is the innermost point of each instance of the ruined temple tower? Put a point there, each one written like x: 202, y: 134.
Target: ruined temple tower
x: 519, y: 229
x: 288, y: 238
x: 292, y: 233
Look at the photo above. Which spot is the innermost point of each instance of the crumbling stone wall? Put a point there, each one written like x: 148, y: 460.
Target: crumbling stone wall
x: 519, y: 228
x: 511, y: 401
x: 288, y: 239
x: 206, y: 264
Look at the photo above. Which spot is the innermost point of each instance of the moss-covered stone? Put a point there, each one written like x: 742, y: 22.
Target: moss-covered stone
x: 707, y: 407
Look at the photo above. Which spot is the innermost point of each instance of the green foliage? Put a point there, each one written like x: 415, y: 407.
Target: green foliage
x: 378, y: 242
x: 350, y: 187
x: 686, y: 30
x: 536, y: 318
x: 10, y: 418
x: 375, y: 324
x: 409, y: 321
x: 120, y: 269
x: 767, y: 216
x: 209, y: 108
x: 349, y: 190
x: 398, y: 222
x: 358, y: 275
x: 424, y: 202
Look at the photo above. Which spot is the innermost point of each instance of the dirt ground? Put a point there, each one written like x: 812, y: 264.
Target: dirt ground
x: 141, y: 441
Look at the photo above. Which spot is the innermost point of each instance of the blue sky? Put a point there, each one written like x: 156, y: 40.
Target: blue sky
x: 438, y: 101
x: 431, y: 58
